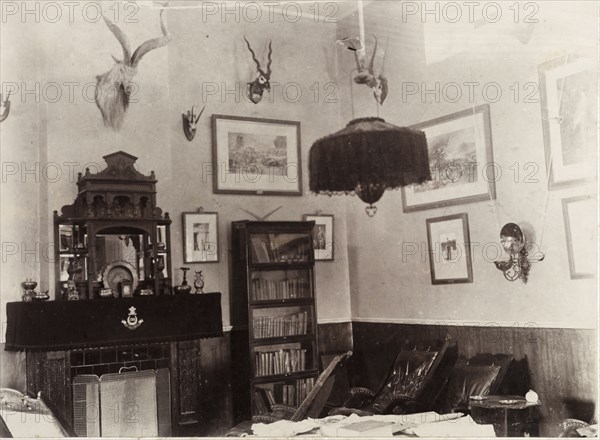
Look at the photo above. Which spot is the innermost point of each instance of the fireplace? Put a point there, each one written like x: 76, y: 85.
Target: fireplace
x: 75, y: 347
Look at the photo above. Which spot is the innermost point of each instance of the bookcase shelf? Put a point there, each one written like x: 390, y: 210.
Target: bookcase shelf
x: 273, y: 315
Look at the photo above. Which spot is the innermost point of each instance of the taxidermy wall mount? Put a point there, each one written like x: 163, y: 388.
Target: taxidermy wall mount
x: 189, y: 123
x: 366, y: 75
x: 4, y: 107
x: 113, y: 87
x: 257, y: 87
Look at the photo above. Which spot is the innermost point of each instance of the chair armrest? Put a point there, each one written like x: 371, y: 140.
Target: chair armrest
x: 569, y: 427
x: 404, y: 405
x: 359, y: 397
x: 278, y: 412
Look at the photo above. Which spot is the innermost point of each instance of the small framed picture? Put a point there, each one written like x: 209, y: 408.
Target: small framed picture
x: 449, y: 249
x: 200, y: 237
x: 323, y: 243
x: 256, y: 156
x: 580, y: 214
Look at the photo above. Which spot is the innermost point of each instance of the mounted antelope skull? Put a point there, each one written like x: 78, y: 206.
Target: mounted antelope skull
x: 5, y: 107
x: 113, y: 87
x: 367, y: 76
x: 258, y: 86
x: 190, y: 122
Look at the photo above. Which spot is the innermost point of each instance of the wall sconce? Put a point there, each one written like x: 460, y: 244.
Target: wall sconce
x: 4, y: 107
x: 189, y: 123
x: 512, y: 239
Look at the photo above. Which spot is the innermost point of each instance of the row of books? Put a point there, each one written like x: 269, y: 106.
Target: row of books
x: 277, y: 326
x: 290, y: 360
x: 265, y: 290
x: 287, y: 394
x: 263, y: 250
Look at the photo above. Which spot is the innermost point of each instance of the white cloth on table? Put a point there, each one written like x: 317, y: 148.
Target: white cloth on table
x: 428, y: 424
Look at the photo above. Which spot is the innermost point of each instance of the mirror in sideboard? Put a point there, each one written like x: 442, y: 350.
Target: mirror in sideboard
x: 113, y: 241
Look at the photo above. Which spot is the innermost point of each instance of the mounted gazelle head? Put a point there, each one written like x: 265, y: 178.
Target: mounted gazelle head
x: 258, y: 86
x: 367, y: 76
x: 113, y: 87
x: 5, y: 107
x: 189, y: 123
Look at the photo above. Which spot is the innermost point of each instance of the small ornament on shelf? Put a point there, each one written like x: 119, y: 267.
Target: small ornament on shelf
x: 185, y: 287
x: 29, y: 287
x: 199, y: 282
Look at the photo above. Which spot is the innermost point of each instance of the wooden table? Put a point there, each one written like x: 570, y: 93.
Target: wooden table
x: 512, y: 416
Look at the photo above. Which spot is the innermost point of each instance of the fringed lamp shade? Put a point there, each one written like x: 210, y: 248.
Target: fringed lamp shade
x: 366, y: 158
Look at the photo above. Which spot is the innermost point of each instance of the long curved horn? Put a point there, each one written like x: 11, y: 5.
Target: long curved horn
x: 155, y: 43
x: 121, y: 37
x: 373, y: 56
x: 200, y: 114
x: 269, y: 58
x: 385, y: 51
x: 254, y: 57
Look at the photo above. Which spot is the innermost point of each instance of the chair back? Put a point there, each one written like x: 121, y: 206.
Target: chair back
x: 411, y: 374
x: 480, y: 375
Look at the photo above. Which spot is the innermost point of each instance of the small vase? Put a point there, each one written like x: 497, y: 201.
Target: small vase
x: 29, y: 293
x: 199, y: 282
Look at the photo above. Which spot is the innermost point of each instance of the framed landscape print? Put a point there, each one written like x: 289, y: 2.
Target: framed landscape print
x: 569, y: 99
x: 200, y: 237
x: 322, y: 236
x: 580, y: 215
x: 461, y: 161
x: 256, y: 156
x: 449, y: 249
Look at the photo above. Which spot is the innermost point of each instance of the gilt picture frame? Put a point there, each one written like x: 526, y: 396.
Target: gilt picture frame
x: 461, y: 161
x: 580, y: 219
x: 449, y: 249
x: 256, y: 156
x: 200, y: 237
x: 323, y: 238
x: 568, y: 98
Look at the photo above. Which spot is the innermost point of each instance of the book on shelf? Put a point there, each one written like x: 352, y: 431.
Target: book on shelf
x: 294, y: 324
x: 261, y: 401
x: 283, y: 361
x: 290, y: 288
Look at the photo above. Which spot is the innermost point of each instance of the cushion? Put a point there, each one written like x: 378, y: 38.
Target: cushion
x: 468, y: 380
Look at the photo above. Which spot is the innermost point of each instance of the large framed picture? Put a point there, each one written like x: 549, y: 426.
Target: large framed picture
x: 449, y: 249
x: 580, y: 216
x: 461, y: 161
x: 569, y: 100
x: 200, y: 237
x: 323, y: 243
x: 256, y: 156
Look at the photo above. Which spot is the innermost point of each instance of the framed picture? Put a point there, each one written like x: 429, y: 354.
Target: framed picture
x: 323, y: 243
x: 569, y: 92
x: 256, y: 156
x: 580, y: 214
x: 449, y: 249
x: 200, y: 237
x: 461, y: 161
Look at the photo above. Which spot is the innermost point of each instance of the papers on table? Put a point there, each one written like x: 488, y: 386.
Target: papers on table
x: 428, y: 424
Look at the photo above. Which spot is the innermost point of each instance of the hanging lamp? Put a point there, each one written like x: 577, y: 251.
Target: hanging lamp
x: 369, y: 155
x: 366, y: 158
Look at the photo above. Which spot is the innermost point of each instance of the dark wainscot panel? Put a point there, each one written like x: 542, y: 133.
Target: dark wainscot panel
x: 559, y: 364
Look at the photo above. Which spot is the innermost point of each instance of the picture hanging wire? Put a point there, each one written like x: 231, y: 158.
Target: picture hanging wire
x: 557, y: 119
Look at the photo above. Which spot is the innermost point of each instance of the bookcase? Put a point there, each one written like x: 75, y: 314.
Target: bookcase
x: 273, y: 315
